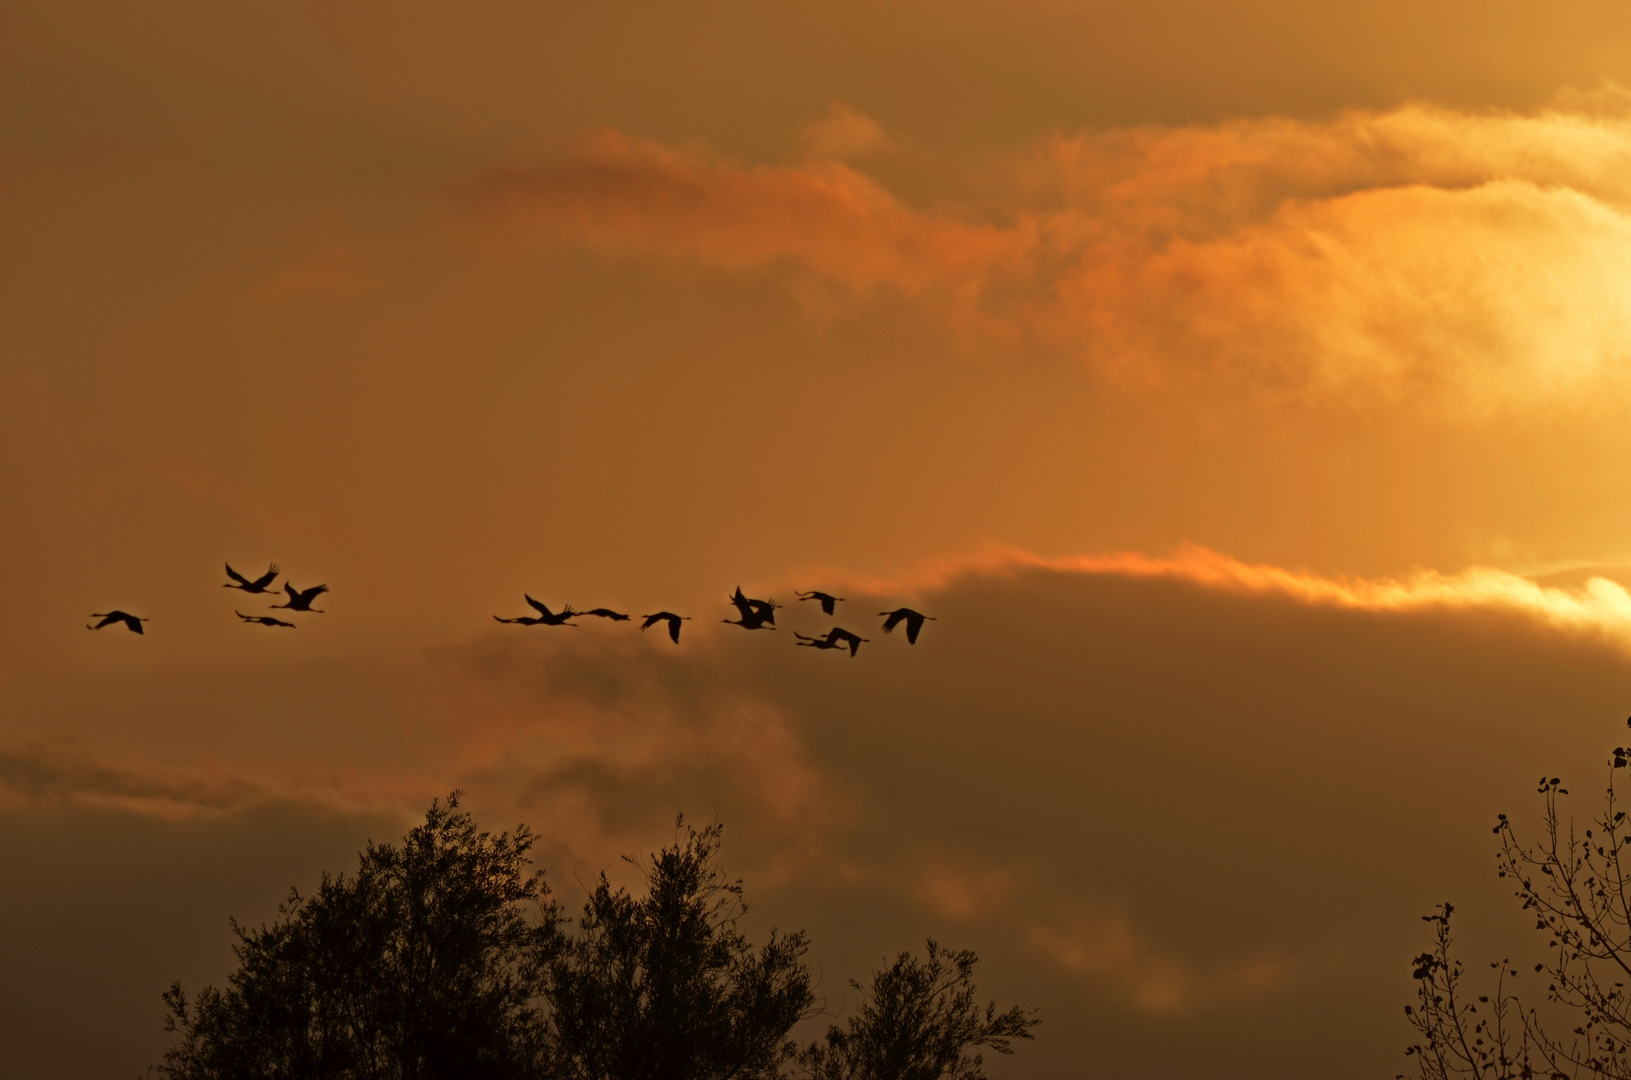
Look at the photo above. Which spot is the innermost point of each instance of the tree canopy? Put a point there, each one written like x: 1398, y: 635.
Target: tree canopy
x: 426, y: 963
x: 666, y: 986
x: 1576, y: 881
x: 447, y: 958
x: 919, y: 1021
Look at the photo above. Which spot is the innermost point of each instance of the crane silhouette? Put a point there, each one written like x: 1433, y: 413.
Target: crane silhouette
x: 300, y: 599
x: 836, y: 638
x: 259, y: 585
x: 606, y: 613
x: 844, y: 637
x: 264, y: 620
x: 669, y: 617
x: 756, y: 614
x: 132, y: 623
x: 828, y: 601
x: 545, y: 616
x: 913, y: 619
x: 816, y: 642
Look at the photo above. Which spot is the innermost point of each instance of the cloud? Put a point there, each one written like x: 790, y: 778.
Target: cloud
x: 598, y: 740
x: 62, y: 772
x: 65, y: 773
x: 1109, y: 952
x: 1599, y: 606
x: 638, y: 197
x: 962, y: 891
x: 843, y: 135
x: 1469, y: 261
x: 1169, y: 801
x: 326, y: 267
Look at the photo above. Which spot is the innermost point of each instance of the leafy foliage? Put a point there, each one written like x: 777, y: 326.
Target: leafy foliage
x: 1578, y: 885
x: 1457, y: 1040
x: 425, y: 964
x: 920, y: 1021
x: 665, y: 986
x: 445, y: 959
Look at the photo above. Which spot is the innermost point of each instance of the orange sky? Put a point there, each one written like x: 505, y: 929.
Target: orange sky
x: 1244, y: 386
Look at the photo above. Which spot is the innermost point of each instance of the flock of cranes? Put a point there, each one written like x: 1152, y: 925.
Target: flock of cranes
x: 298, y: 600
x: 751, y: 614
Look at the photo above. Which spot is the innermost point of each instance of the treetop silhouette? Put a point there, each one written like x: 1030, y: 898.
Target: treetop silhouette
x: 447, y: 958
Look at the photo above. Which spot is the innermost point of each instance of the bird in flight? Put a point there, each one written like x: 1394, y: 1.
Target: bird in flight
x: 606, y: 613
x: 828, y: 601
x: 913, y: 619
x: 264, y: 620
x: 259, y: 585
x: 544, y: 617
x: 762, y: 609
x: 844, y: 637
x: 132, y: 622
x: 836, y: 638
x: 756, y: 614
x: 300, y: 599
x: 669, y: 617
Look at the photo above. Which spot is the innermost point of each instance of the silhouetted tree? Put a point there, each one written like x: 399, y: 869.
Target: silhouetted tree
x: 1578, y: 885
x: 445, y: 959
x: 919, y: 1021
x: 1458, y: 1040
x: 665, y: 987
x: 427, y: 964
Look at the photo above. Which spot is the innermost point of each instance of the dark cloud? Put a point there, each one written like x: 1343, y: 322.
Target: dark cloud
x: 63, y: 772
x: 1195, y: 825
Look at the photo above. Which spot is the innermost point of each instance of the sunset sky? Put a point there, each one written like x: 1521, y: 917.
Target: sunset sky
x: 1245, y: 388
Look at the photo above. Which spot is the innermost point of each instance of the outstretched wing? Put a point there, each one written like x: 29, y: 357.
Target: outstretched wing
x: 308, y: 595
x: 674, y: 629
x: 914, y: 623
x: 540, y: 608
x: 264, y: 580
x: 894, y: 620
x: 828, y: 603
x: 235, y: 576
x: 744, y: 606
x: 134, y: 624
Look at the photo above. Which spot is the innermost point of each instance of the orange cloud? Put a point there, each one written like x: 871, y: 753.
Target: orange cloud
x: 1109, y: 952
x: 844, y: 134
x: 1469, y: 260
x: 1187, y: 790
x: 599, y: 738
x: 636, y: 197
x: 62, y: 772
x: 1599, y: 607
